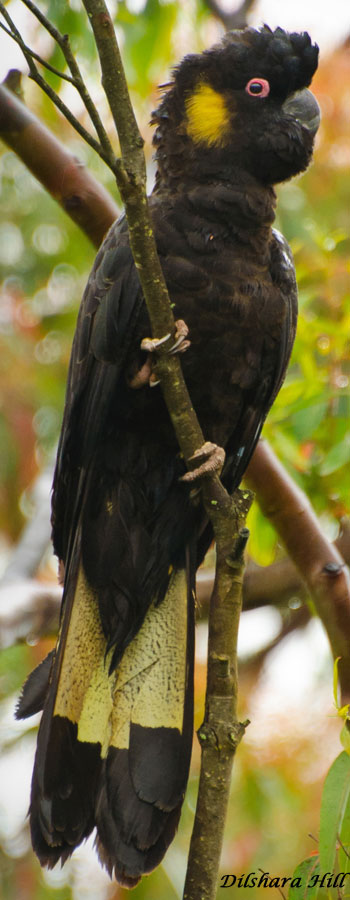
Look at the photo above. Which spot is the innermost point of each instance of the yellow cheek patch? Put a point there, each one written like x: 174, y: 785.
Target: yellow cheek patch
x: 208, y: 118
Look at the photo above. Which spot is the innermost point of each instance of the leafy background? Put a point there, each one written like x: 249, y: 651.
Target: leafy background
x: 44, y: 263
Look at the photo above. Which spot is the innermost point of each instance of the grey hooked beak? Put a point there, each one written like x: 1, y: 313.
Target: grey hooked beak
x: 304, y: 108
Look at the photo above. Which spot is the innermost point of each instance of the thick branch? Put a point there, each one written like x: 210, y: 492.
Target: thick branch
x: 221, y: 731
x: 61, y: 173
x: 319, y: 563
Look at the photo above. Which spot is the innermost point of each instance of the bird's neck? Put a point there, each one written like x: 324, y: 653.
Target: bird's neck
x: 218, y: 181
x: 231, y: 199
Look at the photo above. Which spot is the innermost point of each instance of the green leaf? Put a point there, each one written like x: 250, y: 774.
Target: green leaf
x: 337, y: 457
x: 344, y: 854
x: 305, y: 871
x: 335, y: 797
x: 306, y: 420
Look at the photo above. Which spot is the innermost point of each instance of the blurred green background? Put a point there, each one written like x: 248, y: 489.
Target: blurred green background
x: 44, y: 264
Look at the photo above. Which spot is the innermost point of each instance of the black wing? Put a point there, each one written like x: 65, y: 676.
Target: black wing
x: 106, y: 322
x: 250, y: 425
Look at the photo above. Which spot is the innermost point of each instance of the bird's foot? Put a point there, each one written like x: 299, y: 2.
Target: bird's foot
x: 180, y: 343
x: 180, y: 337
x: 147, y: 375
x: 209, y: 458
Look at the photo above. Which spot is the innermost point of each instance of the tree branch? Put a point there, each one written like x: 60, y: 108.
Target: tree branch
x: 29, y: 52
x: 61, y: 173
x: 77, y: 80
x: 318, y: 562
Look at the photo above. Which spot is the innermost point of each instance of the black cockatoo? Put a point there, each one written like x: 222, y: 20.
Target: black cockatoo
x: 115, y: 738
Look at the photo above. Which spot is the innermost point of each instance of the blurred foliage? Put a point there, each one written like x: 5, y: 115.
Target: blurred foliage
x: 44, y: 263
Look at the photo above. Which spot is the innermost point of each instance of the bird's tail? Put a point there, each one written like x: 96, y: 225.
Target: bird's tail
x: 113, y: 747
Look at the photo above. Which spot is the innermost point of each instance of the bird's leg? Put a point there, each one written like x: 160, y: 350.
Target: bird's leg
x: 143, y: 376
x: 209, y: 458
x: 146, y: 375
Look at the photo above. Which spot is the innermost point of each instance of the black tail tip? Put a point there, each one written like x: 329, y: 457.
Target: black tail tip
x: 119, y: 873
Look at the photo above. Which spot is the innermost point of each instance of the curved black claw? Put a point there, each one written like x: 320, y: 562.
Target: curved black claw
x: 211, y: 459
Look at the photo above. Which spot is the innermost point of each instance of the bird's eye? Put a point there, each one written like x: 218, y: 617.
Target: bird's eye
x: 258, y: 87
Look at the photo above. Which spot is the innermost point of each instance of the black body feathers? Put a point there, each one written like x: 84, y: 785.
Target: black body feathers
x: 115, y: 739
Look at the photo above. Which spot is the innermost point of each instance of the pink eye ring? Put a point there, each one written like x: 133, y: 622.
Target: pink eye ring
x: 258, y: 87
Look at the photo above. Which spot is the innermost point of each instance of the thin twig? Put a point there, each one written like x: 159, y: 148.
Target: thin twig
x: 35, y: 55
x: 16, y: 36
x: 340, y: 842
x: 63, y: 42
x: 70, y: 184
